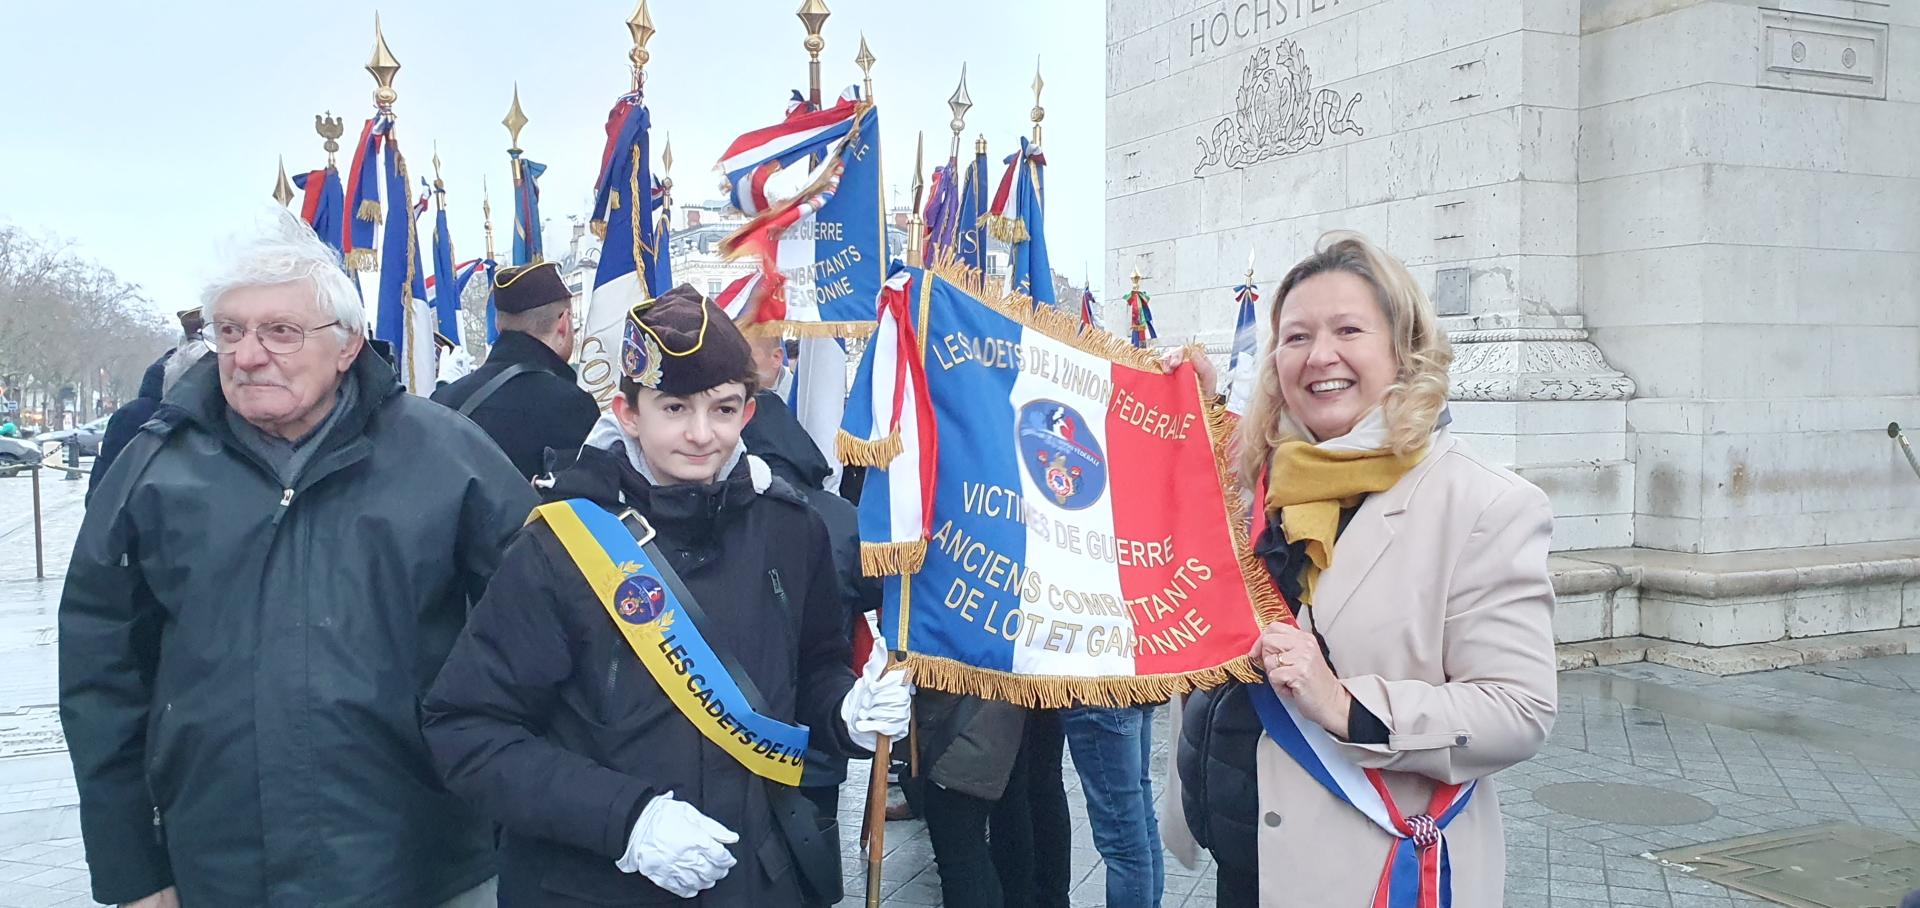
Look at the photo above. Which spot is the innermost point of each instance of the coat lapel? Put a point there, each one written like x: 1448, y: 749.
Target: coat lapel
x: 1367, y: 537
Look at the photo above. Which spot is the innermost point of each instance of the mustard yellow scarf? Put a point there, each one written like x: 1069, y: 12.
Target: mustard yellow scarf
x: 1309, y: 485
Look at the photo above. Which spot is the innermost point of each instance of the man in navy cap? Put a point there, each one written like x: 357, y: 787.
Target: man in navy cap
x: 634, y: 698
x: 525, y: 397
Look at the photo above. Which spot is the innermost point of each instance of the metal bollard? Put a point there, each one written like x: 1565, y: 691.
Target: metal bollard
x: 73, y: 460
x: 39, y: 547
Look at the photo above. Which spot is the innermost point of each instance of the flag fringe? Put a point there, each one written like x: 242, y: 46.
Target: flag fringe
x: 360, y: 260
x: 1005, y: 229
x: 1267, y: 603
x: 599, y: 230
x: 801, y: 330
x: 859, y: 452
x: 892, y: 559
x: 1059, y: 691
x: 369, y: 210
x: 1060, y: 325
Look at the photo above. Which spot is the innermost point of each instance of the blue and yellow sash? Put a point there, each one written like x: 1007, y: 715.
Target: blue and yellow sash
x: 639, y: 594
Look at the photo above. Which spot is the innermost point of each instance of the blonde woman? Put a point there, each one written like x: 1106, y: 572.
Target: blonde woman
x: 1422, y: 662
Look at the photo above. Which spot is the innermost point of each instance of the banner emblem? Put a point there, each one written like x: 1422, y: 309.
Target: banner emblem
x: 1062, y: 455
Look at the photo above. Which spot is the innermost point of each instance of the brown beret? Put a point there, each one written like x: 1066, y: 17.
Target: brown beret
x: 681, y: 344
x: 518, y: 288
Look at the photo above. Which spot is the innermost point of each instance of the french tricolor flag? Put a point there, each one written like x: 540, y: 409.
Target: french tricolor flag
x: 1050, y: 502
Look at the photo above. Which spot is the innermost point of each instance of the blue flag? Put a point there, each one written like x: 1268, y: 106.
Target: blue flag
x: 446, y: 296
x: 1019, y: 220
x: 969, y: 236
x: 526, y: 209
x: 403, y: 319
x: 630, y: 254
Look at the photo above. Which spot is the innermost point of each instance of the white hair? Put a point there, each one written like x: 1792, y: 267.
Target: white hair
x: 286, y: 251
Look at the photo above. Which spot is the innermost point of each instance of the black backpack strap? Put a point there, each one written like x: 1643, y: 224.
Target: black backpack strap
x: 493, y: 384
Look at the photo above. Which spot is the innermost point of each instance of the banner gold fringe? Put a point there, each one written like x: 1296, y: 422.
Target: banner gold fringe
x: 1058, y: 691
x: 1267, y: 604
x: 369, y: 211
x: 797, y: 330
x: 892, y: 559
x: 859, y: 452
x: 360, y: 260
x: 1060, y: 325
x: 1005, y: 229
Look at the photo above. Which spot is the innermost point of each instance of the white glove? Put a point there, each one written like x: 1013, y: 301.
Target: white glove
x: 679, y: 848
x: 879, y: 703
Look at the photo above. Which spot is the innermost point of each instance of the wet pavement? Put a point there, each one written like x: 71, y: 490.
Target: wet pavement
x: 1645, y: 760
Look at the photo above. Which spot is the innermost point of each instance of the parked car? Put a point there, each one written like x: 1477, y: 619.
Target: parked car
x: 87, y: 436
x: 14, y: 452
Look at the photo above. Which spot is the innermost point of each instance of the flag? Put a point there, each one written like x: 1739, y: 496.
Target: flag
x: 1139, y: 318
x: 964, y: 237
x: 1242, y: 365
x: 823, y: 247
x: 1018, y: 218
x: 1048, y: 505
x: 446, y: 299
x: 942, y: 205
x: 631, y: 256
x: 527, y: 246
x: 1087, y: 316
x: 323, y: 204
x: 463, y: 275
x: 662, y: 261
x: 403, y: 319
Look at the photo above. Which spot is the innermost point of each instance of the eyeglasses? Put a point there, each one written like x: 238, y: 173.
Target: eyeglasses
x: 275, y: 337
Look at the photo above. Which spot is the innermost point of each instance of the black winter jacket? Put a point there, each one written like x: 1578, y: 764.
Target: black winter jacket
x: 240, y: 663
x: 545, y: 718
x: 540, y: 409
x: 126, y: 421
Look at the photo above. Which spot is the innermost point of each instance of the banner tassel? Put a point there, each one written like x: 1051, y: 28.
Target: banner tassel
x: 858, y: 452
x: 892, y: 559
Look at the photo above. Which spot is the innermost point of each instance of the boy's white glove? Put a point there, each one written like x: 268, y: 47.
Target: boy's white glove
x: 679, y: 848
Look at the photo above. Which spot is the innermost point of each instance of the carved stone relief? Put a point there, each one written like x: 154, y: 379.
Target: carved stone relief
x: 1277, y: 112
x: 1533, y: 364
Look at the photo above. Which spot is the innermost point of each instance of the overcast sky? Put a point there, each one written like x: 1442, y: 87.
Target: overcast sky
x: 145, y: 134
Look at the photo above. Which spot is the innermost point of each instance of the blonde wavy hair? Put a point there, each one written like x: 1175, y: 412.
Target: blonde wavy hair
x: 1412, y: 403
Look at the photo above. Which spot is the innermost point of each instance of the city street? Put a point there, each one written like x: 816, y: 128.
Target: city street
x: 1646, y: 763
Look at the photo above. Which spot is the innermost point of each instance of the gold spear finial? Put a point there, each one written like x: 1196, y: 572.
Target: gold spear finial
x: 282, y: 187
x: 383, y: 67
x: 980, y: 144
x: 486, y: 215
x: 1136, y: 278
x: 813, y: 15
x: 666, y: 168
x: 1039, y: 113
x: 640, y: 26
x: 515, y: 120
x: 865, y: 60
x: 960, y: 103
x: 331, y: 129
x: 438, y: 186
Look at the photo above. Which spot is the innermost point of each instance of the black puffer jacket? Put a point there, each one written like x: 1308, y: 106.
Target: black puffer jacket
x: 240, y: 663
x: 546, y: 719
x: 127, y: 420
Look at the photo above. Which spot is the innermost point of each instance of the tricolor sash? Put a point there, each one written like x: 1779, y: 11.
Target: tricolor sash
x: 1419, y: 873
x: 655, y: 613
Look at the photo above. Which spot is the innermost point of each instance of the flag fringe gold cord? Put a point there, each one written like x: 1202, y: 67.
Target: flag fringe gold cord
x: 369, y: 211
x: 1060, y: 325
x: 1006, y: 229
x: 892, y: 559
x: 599, y: 229
x: 1059, y: 691
x: 1267, y: 604
x: 360, y: 260
x: 859, y: 452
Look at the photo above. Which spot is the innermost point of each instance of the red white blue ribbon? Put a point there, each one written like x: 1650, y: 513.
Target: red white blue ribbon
x: 1418, y: 873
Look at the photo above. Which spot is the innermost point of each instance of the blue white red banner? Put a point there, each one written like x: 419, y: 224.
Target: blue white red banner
x: 1050, y: 502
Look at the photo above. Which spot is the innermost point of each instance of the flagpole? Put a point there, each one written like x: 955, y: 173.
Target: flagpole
x: 813, y: 15
x: 486, y: 215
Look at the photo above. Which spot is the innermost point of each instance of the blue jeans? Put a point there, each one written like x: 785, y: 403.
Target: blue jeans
x: 1112, y: 749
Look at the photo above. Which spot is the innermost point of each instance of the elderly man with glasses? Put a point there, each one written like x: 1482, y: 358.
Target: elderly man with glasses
x: 266, y: 583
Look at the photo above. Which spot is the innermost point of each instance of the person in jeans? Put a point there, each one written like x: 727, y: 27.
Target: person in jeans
x: 1112, y: 748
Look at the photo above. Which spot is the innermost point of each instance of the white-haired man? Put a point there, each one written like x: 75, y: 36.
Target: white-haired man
x: 270, y: 578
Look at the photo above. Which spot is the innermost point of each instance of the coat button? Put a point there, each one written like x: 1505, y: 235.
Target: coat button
x: 1460, y: 740
x: 1272, y: 819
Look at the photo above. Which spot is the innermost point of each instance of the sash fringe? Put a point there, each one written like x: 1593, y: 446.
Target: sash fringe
x: 1056, y: 692
x: 858, y: 452
x: 891, y: 559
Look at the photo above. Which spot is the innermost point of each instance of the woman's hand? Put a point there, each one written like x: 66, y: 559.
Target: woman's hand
x: 1202, y: 366
x: 1298, y: 672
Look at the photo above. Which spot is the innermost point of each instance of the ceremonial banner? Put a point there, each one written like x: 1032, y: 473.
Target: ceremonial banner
x: 823, y: 245
x: 323, y: 203
x: 1243, y: 366
x: 1018, y: 219
x: 630, y: 258
x: 1050, y: 503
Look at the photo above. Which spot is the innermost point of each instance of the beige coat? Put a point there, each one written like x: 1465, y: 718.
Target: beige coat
x: 1438, y: 613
